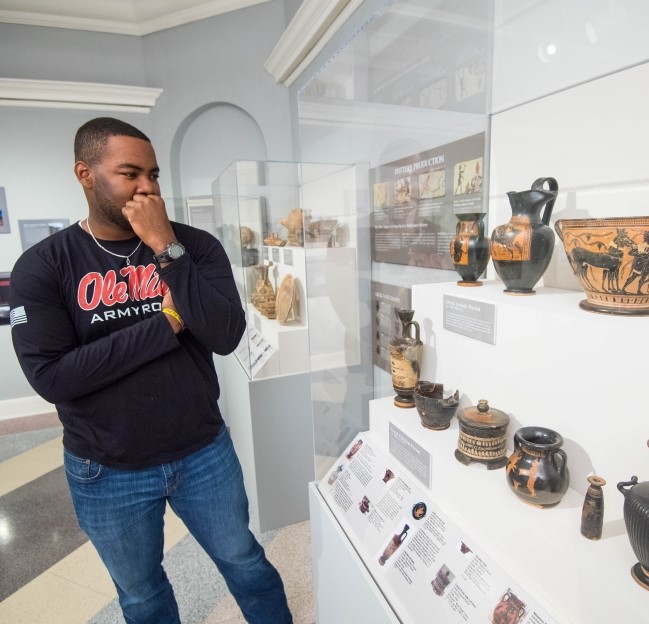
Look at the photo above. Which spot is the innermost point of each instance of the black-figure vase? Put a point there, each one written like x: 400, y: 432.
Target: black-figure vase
x: 470, y: 248
x: 521, y: 249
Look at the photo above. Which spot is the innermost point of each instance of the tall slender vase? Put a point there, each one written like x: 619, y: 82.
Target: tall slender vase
x: 470, y: 248
x: 592, y: 513
x: 521, y: 249
x: 405, y: 360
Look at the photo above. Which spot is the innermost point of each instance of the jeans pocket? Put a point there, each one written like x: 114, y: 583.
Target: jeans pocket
x: 82, y: 470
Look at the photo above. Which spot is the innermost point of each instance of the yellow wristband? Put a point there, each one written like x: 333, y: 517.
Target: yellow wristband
x: 175, y: 315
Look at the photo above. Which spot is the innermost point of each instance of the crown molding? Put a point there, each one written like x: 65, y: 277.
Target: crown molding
x: 312, y: 27
x: 27, y: 18
x: 194, y: 14
x: 78, y: 95
x: 130, y: 27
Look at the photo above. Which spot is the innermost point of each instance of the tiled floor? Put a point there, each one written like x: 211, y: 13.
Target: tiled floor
x: 50, y: 573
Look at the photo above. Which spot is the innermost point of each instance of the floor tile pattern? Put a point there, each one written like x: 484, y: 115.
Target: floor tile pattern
x: 50, y: 573
x: 39, y: 528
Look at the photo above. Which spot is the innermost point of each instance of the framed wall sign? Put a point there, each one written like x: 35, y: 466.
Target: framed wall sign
x: 33, y: 231
x: 4, y: 298
x: 5, y: 228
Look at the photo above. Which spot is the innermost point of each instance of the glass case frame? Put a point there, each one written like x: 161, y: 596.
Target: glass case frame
x: 285, y: 225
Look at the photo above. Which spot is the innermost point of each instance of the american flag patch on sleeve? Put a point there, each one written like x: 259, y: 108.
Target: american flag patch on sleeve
x: 18, y: 316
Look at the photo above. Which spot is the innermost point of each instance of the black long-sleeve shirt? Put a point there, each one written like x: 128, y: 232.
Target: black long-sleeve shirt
x: 90, y: 337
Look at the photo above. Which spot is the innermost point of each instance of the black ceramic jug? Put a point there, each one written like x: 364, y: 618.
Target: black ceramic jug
x: 521, y: 249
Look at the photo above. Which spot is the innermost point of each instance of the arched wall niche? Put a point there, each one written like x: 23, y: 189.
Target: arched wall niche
x: 206, y: 142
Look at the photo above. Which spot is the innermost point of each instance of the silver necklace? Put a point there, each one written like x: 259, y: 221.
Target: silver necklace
x: 127, y: 258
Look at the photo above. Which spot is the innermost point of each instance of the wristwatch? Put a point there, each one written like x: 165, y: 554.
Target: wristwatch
x: 171, y: 252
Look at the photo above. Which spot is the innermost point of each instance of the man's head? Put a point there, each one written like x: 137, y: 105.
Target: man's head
x: 91, y: 138
x: 114, y: 163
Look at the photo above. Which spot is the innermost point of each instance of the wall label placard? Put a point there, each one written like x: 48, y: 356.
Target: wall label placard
x: 275, y: 253
x: 386, y: 300
x: 411, y: 454
x: 288, y: 256
x: 5, y: 280
x: 474, y: 319
x: 5, y: 228
x: 33, y: 231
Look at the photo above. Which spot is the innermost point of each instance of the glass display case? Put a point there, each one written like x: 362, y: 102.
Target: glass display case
x: 406, y: 99
x: 420, y: 90
x: 290, y: 232
x: 287, y: 226
x: 554, y: 89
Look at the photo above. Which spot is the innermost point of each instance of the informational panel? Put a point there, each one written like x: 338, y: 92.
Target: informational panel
x: 5, y: 228
x: 4, y: 298
x: 471, y: 318
x: 423, y: 562
x: 203, y: 216
x: 386, y: 300
x: 33, y: 231
x: 415, y: 199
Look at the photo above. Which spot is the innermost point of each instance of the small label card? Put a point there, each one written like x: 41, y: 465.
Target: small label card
x: 288, y: 256
x: 412, y: 455
x: 475, y: 319
x: 275, y: 254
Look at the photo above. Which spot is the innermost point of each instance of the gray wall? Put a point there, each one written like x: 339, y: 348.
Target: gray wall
x: 60, y: 54
x: 208, y: 64
x: 213, y: 80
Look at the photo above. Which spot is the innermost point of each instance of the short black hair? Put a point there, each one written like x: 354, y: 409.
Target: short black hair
x: 91, y: 138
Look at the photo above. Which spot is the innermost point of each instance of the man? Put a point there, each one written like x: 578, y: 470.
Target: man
x: 115, y: 320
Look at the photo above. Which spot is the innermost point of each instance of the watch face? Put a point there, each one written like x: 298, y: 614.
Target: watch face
x: 171, y: 253
x: 175, y: 250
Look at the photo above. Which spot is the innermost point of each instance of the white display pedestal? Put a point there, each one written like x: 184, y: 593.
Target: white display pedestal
x: 552, y: 365
x: 263, y: 416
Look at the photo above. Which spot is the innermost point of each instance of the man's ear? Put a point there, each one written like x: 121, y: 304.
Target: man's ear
x: 84, y: 174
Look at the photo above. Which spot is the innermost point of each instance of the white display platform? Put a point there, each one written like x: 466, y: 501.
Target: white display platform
x: 552, y: 365
x: 263, y: 416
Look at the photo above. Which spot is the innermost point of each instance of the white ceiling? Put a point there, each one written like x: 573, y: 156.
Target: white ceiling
x: 127, y: 17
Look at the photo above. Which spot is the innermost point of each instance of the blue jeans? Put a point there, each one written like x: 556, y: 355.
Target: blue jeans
x: 122, y: 513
